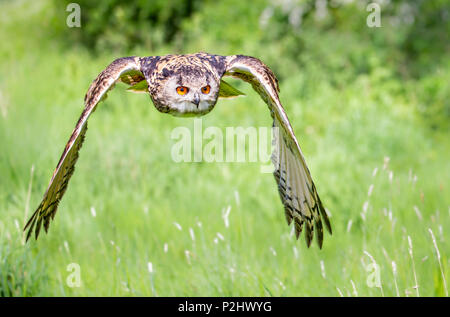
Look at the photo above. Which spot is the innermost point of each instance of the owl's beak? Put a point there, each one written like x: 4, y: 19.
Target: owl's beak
x: 196, y: 100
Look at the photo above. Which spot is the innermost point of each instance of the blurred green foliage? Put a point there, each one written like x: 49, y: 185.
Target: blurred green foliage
x: 330, y: 36
x: 122, y: 24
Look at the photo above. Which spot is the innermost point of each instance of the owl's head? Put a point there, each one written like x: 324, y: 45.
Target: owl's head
x: 186, y: 91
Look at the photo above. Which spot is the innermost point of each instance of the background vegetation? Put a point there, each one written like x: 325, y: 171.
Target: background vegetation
x: 370, y: 107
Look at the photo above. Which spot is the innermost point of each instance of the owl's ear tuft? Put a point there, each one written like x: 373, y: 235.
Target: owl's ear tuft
x: 166, y: 72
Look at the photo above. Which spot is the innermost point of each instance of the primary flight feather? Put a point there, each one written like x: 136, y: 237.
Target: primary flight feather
x: 189, y: 85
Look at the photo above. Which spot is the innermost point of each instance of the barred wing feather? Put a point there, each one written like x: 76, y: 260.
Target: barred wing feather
x: 295, y: 185
x: 125, y: 69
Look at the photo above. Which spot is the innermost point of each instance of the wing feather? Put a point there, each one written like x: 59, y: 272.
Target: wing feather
x: 125, y: 69
x: 295, y: 185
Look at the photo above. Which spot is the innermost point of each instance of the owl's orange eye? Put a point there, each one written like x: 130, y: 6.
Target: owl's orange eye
x: 206, y: 89
x: 181, y: 90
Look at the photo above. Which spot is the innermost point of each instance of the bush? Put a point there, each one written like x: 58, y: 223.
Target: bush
x: 121, y: 24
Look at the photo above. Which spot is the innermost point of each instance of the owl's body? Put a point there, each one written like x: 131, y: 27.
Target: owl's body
x: 190, y: 85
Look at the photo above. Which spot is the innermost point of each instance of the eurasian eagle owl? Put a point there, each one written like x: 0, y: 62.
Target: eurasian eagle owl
x: 190, y: 85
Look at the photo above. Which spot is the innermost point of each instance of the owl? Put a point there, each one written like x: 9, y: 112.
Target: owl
x: 190, y: 85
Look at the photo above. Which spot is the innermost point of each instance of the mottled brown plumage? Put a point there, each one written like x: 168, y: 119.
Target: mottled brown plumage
x: 158, y: 76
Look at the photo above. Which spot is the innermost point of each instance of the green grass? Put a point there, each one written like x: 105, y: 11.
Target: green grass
x: 125, y: 172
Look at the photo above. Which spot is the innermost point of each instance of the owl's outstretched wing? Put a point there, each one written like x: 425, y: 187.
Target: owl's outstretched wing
x: 295, y: 185
x: 127, y: 70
